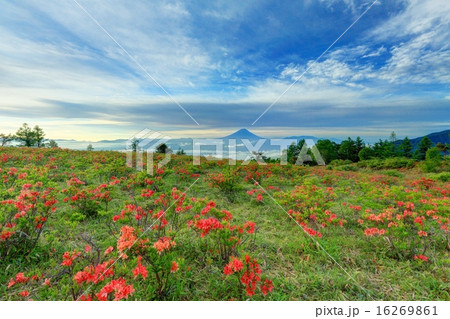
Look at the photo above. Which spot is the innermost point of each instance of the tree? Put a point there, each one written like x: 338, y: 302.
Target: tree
x: 30, y: 137
x: 423, y: 147
x: 52, y: 144
x: 328, y: 150
x: 391, y: 150
x: 25, y: 135
x: 135, y: 144
x: 163, y: 148
x: 383, y: 149
x: 443, y: 148
x: 433, y: 159
x: 348, y: 150
x: 293, y: 151
x: 38, y: 136
x: 365, y: 154
x: 6, y: 138
x: 393, y: 137
x: 181, y: 152
x: 406, y: 147
x: 433, y: 154
x: 90, y: 147
x: 359, y: 144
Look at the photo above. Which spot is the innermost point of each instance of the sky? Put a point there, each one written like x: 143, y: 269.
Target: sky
x: 99, y: 70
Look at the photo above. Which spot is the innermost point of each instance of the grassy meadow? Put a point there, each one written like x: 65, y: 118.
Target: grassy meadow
x: 80, y: 225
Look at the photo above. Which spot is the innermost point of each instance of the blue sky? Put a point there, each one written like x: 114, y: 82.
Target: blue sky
x: 225, y: 62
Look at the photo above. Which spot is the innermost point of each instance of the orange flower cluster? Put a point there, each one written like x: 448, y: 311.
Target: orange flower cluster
x: 120, y: 289
x: 235, y: 265
x: 94, y: 274
x: 69, y: 257
x: 127, y: 238
x: 421, y: 257
x: 250, y: 274
x: 140, y: 269
x: 164, y: 243
x: 374, y: 231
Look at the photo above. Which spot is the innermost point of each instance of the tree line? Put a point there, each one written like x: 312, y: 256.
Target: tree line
x: 357, y: 150
x: 28, y: 137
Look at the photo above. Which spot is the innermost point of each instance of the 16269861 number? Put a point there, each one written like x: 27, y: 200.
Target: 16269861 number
x: 407, y: 311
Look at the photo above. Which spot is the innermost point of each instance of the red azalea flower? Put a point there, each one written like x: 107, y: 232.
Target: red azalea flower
x: 422, y: 257
x: 266, y: 287
x: 164, y: 243
x: 68, y: 258
x: 11, y: 283
x: 127, y: 238
x: 140, y: 269
x: 174, y: 267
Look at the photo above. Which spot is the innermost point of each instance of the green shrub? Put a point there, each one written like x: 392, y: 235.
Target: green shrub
x: 339, y: 162
x: 433, y: 159
x: 388, y: 163
x: 350, y: 168
x: 443, y: 177
x: 393, y: 173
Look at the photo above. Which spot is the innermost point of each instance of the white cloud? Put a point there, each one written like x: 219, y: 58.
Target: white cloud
x: 421, y: 37
x: 376, y: 53
x: 418, y: 17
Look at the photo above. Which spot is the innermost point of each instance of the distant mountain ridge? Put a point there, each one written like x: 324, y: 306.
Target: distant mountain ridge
x: 243, y: 134
x: 186, y: 143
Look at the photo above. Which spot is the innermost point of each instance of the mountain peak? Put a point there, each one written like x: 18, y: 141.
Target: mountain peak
x: 243, y: 134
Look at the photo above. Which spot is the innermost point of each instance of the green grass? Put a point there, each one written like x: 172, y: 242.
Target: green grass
x: 299, y: 268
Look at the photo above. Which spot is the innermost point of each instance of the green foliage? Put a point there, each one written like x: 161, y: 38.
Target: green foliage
x: 433, y: 159
x: 349, y: 149
x: 433, y: 154
x: 25, y: 135
x: 30, y: 137
x: 38, y: 136
x: 135, y: 144
x: 388, y: 163
x: 340, y: 162
x: 365, y: 154
x: 424, y: 144
x: 52, y: 144
x: 328, y: 150
x: 6, y: 138
x: 364, y: 218
x: 181, y: 152
x: 349, y: 168
x: 294, y: 150
x: 443, y: 147
x: 162, y: 148
x: 443, y: 177
x: 384, y: 149
x: 394, y: 173
x: 406, y: 148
